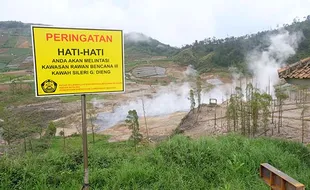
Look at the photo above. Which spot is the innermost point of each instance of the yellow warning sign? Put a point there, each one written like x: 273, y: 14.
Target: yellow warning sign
x: 77, y: 61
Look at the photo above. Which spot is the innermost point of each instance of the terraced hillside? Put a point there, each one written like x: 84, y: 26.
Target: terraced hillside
x: 16, y: 52
x: 15, y: 46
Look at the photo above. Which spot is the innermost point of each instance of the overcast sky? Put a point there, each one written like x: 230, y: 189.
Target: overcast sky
x: 175, y: 22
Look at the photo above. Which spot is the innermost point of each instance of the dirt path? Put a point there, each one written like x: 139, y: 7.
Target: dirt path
x: 158, y: 127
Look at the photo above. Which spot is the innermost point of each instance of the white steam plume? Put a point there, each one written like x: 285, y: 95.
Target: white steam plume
x: 264, y: 64
x: 168, y: 100
x: 174, y: 98
x: 190, y: 71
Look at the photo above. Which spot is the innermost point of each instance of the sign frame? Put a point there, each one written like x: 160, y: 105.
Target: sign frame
x: 75, y: 28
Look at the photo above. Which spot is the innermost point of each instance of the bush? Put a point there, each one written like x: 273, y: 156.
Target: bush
x: 51, y: 130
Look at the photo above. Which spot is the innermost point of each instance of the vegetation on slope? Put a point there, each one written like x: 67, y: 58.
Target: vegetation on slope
x: 227, y: 162
x: 204, y: 55
x: 232, y: 51
x: 137, y: 46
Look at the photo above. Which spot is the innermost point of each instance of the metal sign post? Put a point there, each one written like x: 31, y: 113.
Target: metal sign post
x: 85, y: 148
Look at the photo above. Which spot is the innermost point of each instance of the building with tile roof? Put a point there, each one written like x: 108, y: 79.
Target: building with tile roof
x: 297, y: 73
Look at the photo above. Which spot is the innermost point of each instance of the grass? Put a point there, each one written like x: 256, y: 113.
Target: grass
x: 6, y: 59
x: 11, y: 42
x: 21, y: 97
x: 2, y: 65
x: 3, y: 38
x: 227, y: 162
x: 89, y: 97
x: 26, y: 77
x: 131, y: 65
x: 162, y: 62
x: 13, y: 56
x: 7, y: 78
x: 19, y: 51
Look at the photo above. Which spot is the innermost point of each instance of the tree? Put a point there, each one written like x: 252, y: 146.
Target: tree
x: 248, y: 107
x: 240, y: 107
x: 281, y: 96
x: 192, y: 99
x: 144, y: 115
x: 248, y: 111
x: 265, y: 104
x: 8, y: 129
x: 232, y: 110
x: 132, y: 121
x: 61, y: 133
x: 15, y: 128
x: 51, y: 130
x: 198, y: 90
x: 92, y: 116
x: 255, y: 107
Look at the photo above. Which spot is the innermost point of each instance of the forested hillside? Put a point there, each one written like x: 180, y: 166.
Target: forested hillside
x: 202, y: 54
x: 231, y: 51
x: 138, y: 45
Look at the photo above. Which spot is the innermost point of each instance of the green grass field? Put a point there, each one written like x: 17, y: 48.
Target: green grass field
x: 2, y: 65
x: 7, y: 78
x: 19, y: 51
x: 6, y: 59
x: 13, y: 56
x: 130, y: 65
x: 11, y: 42
x: 161, y: 63
x: 3, y: 38
x: 227, y: 162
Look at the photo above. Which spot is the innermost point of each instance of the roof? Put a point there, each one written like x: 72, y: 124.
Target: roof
x: 298, y: 70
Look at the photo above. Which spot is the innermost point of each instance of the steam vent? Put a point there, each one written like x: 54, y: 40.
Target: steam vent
x: 297, y: 73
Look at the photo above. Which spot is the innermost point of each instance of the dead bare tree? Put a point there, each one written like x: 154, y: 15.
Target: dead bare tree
x: 92, y: 116
x: 198, y: 91
x: 304, y: 109
x: 281, y: 96
x: 248, y: 116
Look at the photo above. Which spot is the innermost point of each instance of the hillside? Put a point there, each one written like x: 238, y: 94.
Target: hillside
x: 232, y: 51
x: 15, y: 47
x: 204, y: 55
x: 139, y: 46
x: 227, y: 162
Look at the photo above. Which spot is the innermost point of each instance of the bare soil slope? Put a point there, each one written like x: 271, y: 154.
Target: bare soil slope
x: 210, y: 120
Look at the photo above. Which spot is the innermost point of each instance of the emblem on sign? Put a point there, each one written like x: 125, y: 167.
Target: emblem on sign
x: 49, y: 86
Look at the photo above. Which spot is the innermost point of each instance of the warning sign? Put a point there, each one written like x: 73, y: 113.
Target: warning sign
x: 77, y: 61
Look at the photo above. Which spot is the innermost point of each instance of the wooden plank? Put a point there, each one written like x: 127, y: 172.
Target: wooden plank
x: 276, y: 179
